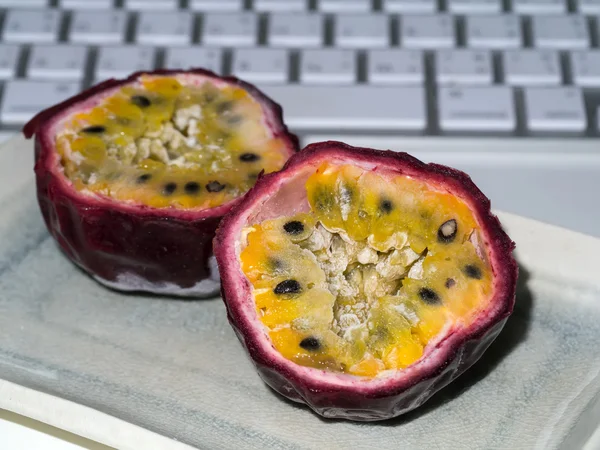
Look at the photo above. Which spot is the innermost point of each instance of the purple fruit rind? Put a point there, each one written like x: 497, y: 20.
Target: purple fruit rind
x: 112, y: 240
x: 345, y: 396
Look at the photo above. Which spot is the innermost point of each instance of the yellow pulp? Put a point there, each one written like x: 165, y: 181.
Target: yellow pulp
x: 162, y: 143
x: 394, y: 217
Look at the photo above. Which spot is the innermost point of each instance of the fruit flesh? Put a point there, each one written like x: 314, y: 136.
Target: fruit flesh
x: 165, y: 142
x: 370, y: 276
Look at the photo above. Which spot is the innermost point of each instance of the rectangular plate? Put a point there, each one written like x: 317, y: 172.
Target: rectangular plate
x: 175, y: 367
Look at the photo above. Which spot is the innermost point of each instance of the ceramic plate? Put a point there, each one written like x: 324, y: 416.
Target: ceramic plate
x: 147, y: 372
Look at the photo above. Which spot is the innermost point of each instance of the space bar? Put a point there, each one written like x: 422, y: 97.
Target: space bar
x: 351, y: 107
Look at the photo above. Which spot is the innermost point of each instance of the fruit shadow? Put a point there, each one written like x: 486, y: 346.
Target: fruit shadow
x: 514, y: 332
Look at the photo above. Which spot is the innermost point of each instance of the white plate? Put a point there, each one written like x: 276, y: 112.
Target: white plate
x: 146, y: 372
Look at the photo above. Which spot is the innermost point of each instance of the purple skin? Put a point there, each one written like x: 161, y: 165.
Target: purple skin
x: 167, y: 249
x: 337, y: 395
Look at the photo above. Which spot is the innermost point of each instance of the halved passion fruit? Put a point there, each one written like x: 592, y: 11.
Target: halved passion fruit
x: 134, y: 175
x: 361, y: 281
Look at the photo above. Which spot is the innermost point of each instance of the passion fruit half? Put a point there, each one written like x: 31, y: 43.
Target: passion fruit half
x: 133, y: 176
x: 361, y: 281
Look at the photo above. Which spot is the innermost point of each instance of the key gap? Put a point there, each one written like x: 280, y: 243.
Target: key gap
x: 130, y: 27
x: 592, y: 24
x: 527, y: 31
x: 184, y: 4
x: 196, y: 28
x: 497, y: 67
x: 565, y: 69
x: 247, y: 5
x: 520, y: 113
x: 377, y: 5
x: 63, y: 30
x: 23, y: 61
x: 441, y: 6
x: 263, y: 25
x: 119, y: 3
x: 571, y: 6
x: 505, y: 6
x: 227, y: 63
x: 160, y: 58
x: 591, y: 98
x: 294, y: 58
x: 328, y: 31
x: 90, y: 66
x: 460, y: 33
x: 361, y: 66
x: 394, y: 30
x: 431, y: 101
x: 312, y: 5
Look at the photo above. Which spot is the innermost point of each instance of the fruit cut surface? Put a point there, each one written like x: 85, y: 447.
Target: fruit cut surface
x: 166, y: 142
x: 377, y: 268
x: 133, y: 176
x: 363, y: 281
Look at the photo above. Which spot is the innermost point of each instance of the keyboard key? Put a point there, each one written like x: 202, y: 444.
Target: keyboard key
x: 188, y: 57
x: 539, y: 6
x: 216, y: 5
x: 585, y: 67
x: 361, y: 31
x: 489, y: 108
x: 427, y: 31
x: 395, y: 66
x: 560, y: 32
x: 164, y: 28
x: 152, y: 4
x: 280, y: 5
x: 474, y: 6
x: 344, y: 5
x: 295, y: 30
x: 22, y: 25
x: 230, y: 29
x: 98, y: 27
x: 261, y: 65
x: 23, y: 3
x: 328, y: 66
x: 588, y: 6
x: 335, y: 107
x: 116, y: 61
x: 463, y: 66
x: 23, y: 99
x: 494, y: 32
x: 531, y: 67
x: 554, y: 109
x: 60, y: 62
x: 410, y: 6
x: 86, y: 4
x: 9, y: 60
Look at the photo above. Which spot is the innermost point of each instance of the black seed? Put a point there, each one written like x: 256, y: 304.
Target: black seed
x: 447, y: 231
x: 294, y: 227
x: 311, y: 344
x: 143, y: 178
x: 386, y: 206
x: 429, y: 296
x: 449, y: 283
x: 472, y: 271
x: 234, y: 120
x: 169, y: 188
x: 215, y: 186
x: 191, y: 188
x: 323, y: 199
x: 287, y: 287
x: 224, y: 107
x: 249, y: 157
x: 94, y: 129
x: 141, y: 101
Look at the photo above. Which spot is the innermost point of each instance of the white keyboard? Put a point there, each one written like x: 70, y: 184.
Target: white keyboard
x: 516, y: 67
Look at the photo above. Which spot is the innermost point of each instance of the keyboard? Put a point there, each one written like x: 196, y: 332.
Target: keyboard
x: 450, y: 67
